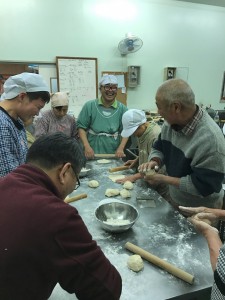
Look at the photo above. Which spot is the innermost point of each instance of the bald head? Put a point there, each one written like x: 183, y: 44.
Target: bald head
x: 176, y: 102
x: 176, y: 90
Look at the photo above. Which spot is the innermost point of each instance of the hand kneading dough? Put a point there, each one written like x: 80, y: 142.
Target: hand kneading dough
x: 135, y: 263
x: 93, y: 183
x: 150, y: 172
x: 125, y: 193
x: 203, y: 220
x: 112, y: 192
x: 128, y: 185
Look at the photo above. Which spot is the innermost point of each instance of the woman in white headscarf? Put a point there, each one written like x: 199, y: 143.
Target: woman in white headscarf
x: 57, y: 119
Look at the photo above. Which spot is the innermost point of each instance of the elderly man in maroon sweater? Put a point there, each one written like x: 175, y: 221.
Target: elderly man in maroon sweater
x: 43, y: 240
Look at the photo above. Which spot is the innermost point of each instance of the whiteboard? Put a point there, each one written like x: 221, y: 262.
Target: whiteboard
x: 79, y: 77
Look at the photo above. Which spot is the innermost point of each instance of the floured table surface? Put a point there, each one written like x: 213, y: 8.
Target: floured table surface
x: 159, y: 230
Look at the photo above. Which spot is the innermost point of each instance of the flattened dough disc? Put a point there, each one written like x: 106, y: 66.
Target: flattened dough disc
x: 114, y: 177
x: 103, y: 161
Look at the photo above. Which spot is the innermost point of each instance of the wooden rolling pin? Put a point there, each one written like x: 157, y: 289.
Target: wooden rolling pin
x: 75, y: 198
x: 121, y: 168
x: 160, y: 263
x: 105, y: 155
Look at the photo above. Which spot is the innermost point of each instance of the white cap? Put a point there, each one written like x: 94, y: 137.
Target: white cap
x: 108, y: 79
x: 23, y: 83
x: 131, y: 120
x: 60, y: 99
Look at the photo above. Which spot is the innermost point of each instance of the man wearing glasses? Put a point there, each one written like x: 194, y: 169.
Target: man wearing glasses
x: 44, y: 241
x: 100, y: 121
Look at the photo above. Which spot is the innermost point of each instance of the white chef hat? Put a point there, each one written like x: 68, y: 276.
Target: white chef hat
x: 108, y: 79
x: 23, y: 83
x: 131, y: 120
x: 60, y: 99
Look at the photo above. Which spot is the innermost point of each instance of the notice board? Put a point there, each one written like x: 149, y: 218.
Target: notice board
x: 79, y: 77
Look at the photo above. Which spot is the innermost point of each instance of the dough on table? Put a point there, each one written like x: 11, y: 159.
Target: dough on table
x: 93, y: 183
x: 112, y: 192
x: 135, y: 263
x: 103, y: 161
x: 125, y: 193
x: 128, y: 185
x: 84, y: 170
x: 114, y: 177
x: 150, y: 172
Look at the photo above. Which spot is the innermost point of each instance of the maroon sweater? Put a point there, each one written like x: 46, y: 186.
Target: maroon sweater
x: 43, y: 241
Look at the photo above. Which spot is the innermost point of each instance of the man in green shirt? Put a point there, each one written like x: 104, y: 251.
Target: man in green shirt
x: 100, y: 121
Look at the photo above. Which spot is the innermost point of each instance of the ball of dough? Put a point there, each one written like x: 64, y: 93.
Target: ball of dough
x: 125, y: 193
x: 135, y: 263
x: 150, y: 172
x: 112, y: 192
x: 114, y: 177
x: 93, y: 183
x: 128, y: 185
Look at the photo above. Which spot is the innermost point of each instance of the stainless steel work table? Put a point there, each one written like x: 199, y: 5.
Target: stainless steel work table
x: 160, y: 230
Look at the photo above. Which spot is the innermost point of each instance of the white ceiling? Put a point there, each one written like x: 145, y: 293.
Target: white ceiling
x: 208, y: 2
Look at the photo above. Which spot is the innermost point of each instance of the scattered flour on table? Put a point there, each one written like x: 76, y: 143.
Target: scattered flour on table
x: 130, y: 278
x: 182, y: 249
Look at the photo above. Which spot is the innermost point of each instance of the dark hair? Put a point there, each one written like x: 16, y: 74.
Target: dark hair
x: 53, y: 149
x: 45, y: 96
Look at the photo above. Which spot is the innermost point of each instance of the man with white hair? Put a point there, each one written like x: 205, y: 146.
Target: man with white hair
x: 191, y: 146
x: 100, y: 121
x: 24, y: 95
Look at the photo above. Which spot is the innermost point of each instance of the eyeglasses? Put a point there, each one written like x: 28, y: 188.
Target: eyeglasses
x: 110, y: 87
x: 77, y: 179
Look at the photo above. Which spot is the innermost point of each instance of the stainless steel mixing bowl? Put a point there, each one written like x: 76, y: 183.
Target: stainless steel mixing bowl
x: 116, y: 216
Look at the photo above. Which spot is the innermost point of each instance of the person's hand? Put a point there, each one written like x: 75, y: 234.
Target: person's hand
x: 89, y: 152
x: 201, y: 213
x: 202, y: 225
x: 204, y: 214
x: 190, y: 211
x: 155, y: 179
x: 131, y: 163
x: 147, y: 166
x: 119, y: 153
x: 131, y: 178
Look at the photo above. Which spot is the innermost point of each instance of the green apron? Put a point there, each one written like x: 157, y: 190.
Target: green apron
x: 103, y: 125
